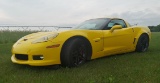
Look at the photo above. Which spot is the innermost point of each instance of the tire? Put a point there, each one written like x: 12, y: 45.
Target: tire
x: 74, y: 53
x: 143, y: 43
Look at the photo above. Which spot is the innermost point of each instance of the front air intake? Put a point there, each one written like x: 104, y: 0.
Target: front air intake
x: 21, y: 56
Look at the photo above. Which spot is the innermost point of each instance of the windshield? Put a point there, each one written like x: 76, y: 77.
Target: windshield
x: 93, y: 24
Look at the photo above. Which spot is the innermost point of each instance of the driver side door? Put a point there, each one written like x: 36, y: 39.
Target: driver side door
x: 118, y: 41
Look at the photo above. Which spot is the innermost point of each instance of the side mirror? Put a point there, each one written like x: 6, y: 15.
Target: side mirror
x: 116, y: 27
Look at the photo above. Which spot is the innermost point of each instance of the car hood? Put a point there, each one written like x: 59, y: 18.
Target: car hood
x: 38, y: 34
x: 34, y: 36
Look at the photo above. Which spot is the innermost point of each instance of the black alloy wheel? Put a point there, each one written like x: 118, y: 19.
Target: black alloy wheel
x: 74, y: 53
x: 143, y: 43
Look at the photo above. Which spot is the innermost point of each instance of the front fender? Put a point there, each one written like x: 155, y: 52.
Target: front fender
x: 90, y: 35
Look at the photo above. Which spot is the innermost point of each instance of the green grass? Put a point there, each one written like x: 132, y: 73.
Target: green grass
x: 12, y: 36
x: 125, y: 68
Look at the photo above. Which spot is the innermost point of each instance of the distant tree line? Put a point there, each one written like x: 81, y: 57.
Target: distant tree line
x: 155, y: 28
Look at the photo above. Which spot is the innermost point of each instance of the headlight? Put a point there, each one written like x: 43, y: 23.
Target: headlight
x: 45, y: 38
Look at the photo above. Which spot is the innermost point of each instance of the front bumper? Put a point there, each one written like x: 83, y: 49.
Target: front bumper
x: 51, y: 56
x: 34, y: 63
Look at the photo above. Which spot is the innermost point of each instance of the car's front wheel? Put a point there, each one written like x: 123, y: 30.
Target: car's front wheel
x: 74, y: 53
x: 143, y: 43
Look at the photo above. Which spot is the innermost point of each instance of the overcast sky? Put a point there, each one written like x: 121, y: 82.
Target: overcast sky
x: 73, y: 12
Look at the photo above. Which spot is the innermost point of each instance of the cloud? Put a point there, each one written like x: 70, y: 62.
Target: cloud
x: 142, y: 17
x: 71, y: 12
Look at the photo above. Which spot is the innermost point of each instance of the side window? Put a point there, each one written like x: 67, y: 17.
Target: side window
x: 121, y: 22
x: 111, y: 24
x: 116, y: 22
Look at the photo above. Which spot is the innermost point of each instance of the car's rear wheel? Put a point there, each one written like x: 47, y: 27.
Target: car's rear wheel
x: 143, y: 43
x: 74, y: 53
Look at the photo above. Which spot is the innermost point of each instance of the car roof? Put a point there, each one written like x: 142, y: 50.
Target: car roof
x: 114, y: 18
x: 106, y: 18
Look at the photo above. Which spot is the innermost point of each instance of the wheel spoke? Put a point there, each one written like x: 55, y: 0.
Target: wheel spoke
x: 79, y: 55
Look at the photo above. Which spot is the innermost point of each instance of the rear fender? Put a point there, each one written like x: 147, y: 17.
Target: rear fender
x: 138, y: 31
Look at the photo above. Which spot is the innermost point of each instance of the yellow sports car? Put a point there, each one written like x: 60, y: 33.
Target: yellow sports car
x: 92, y: 39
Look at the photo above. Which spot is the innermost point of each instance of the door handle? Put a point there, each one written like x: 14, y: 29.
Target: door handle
x: 97, y: 39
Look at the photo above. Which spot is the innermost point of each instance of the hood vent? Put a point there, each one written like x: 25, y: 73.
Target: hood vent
x: 25, y: 39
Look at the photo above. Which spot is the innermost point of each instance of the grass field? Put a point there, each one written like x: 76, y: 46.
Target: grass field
x: 125, y: 68
x: 12, y: 36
